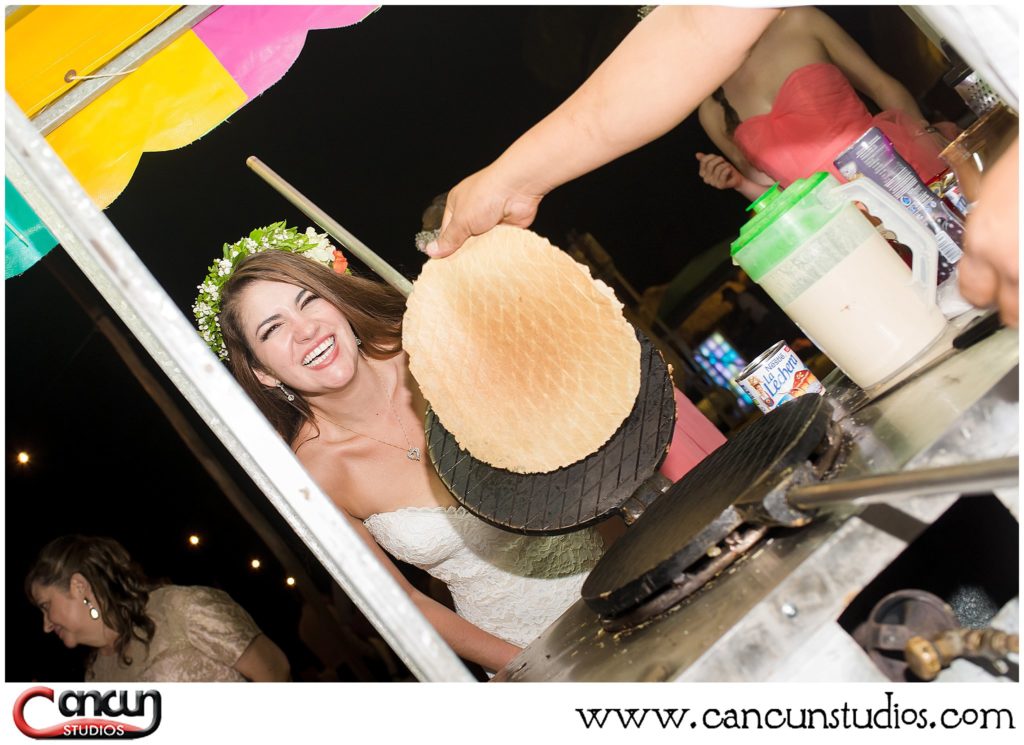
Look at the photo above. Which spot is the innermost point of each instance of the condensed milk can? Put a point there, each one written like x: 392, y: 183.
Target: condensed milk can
x: 777, y: 376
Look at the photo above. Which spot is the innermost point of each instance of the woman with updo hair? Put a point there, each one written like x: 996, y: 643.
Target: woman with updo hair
x: 92, y: 593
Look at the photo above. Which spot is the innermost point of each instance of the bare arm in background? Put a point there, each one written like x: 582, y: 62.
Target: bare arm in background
x: 263, y: 661
x: 888, y: 93
x: 800, y: 37
x: 653, y: 80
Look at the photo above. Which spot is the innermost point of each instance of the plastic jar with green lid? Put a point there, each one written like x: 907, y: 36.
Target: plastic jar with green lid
x: 782, y: 223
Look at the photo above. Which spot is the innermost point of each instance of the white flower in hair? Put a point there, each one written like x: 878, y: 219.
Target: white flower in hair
x: 323, y: 250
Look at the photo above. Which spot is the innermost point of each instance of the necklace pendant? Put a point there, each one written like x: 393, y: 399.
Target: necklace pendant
x: 413, y: 454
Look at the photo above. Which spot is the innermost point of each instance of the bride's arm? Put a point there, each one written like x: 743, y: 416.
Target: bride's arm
x: 467, y: 640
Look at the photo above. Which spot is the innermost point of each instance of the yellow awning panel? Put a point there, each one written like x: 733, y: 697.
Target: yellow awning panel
x: 161, y: 106
x: 44, y: 42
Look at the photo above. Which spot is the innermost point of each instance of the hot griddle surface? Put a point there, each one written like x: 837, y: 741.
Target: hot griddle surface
x: 576, y: 495
x: 681, y: 524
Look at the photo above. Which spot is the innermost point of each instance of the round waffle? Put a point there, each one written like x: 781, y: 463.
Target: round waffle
x: 525, y: 359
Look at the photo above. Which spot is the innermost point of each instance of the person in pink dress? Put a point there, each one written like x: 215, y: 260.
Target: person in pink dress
x: 648, y: 85
x: 793, y: 106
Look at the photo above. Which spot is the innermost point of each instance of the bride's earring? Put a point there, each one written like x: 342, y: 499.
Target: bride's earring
x: 287, y: 394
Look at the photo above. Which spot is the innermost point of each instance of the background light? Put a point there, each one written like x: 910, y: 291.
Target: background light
x: 255, y: 563
x: 23, y: 458
x: 194, y: 540
x: 290, y: 581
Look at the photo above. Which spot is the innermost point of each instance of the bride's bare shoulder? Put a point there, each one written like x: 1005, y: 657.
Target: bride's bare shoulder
x: 321, y: 459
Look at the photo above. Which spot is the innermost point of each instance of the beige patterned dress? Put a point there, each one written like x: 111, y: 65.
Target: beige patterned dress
x: 200, y: 634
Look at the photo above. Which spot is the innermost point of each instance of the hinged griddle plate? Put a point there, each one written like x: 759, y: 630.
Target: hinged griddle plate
x: 577, y: 495
x: 697, y: 511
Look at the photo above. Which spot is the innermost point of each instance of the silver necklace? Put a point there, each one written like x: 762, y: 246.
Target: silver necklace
x: 412, y: 453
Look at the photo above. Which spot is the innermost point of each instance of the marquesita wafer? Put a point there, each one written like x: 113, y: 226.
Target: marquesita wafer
x: 525, y: 358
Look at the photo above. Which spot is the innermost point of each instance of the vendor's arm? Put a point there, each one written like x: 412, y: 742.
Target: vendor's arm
x: 263, y: 661
x: 990, y: 267
x: 656, y: 77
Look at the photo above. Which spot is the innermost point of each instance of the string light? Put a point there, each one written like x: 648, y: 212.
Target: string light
x: 255, y: 563
x: 194, y: 540
x: 290, y: 581
x: 23, y: 458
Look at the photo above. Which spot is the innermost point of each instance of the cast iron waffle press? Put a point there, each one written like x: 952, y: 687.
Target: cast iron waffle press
x: 685, y: 524
x: 581, y: 493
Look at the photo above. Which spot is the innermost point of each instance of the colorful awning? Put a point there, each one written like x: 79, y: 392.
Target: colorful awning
x: 172, y: 98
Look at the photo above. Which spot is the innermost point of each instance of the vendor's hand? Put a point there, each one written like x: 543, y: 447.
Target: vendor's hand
x: 476, y: 205
x: 716, y: 171
x: 990, y: 265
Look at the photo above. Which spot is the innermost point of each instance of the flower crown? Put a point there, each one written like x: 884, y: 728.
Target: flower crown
x: 274, y: 237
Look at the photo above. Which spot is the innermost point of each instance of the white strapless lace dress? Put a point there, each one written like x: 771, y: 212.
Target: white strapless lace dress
x: 512, y: 586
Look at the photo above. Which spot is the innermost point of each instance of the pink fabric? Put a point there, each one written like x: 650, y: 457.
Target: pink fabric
x: 692, y: 439
x: 815, y: 116
x: 258, y: 43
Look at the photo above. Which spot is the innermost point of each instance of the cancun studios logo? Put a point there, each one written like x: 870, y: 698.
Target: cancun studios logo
x: 95, y: 715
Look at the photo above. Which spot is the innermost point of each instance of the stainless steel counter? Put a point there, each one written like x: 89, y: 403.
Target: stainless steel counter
x: 772, y: 615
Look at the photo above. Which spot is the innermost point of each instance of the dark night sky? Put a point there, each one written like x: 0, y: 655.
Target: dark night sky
x: 371, y: 123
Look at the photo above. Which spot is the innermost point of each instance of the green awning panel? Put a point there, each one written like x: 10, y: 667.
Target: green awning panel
x: 27, y: 239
